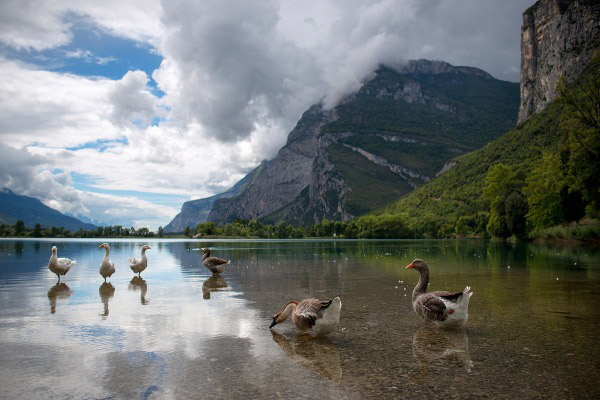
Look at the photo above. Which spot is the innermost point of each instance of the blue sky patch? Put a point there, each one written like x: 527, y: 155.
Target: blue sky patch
x: 93, y: 52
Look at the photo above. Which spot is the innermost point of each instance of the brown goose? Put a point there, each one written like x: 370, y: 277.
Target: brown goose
x: 313, y: 316
x: 444, y: 309
x: 215, y: 265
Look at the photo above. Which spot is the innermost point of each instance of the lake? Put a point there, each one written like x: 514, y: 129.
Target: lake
x: 177, y: 332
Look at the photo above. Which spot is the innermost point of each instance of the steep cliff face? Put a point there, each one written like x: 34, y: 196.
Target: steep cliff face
x: 380, y: 143
x: 558, y: 38
x: 196, y: 211
x: 283, y: 179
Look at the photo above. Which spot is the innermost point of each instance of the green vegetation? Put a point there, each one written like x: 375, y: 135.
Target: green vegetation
x: 19, y: 230
x: 540, y: 174
x: 372, y: 185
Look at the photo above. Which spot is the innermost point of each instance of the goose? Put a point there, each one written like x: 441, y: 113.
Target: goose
x: 60, y: 266
x: 137, y: 265
x: 443, y: 309
x: 214, y: 264
x: 107, y: 267
x: 312, y: 316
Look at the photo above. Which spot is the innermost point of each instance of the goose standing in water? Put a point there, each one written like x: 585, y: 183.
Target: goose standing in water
x: 444, y: 309
x: 215, y: 265
x: 137, y: 265
x: 107, y: 267
x: 312, y: 316
x: 60, y: 266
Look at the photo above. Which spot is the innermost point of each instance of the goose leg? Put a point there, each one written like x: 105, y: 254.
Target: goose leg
x: 58, y: 278
x: 104, y: 279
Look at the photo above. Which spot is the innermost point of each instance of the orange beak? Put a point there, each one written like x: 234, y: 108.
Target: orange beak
x: 409, y: 266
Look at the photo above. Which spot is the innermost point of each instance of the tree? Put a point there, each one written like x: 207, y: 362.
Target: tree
x: 543, y: 189
x: 19, y: 228
x: 508, y: 206
x: 187, y: 231
x: 37, y: 231
x: 581, y: 123
x: 160, y: 231
x: 515, y: 206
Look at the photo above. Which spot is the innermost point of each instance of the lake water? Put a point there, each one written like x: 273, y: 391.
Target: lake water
x: 179, y: 333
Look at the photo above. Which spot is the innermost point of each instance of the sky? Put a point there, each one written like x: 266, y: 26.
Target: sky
x: 120, y: 111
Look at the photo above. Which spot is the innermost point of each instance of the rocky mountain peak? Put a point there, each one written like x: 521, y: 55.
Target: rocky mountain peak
x: 439, y: 67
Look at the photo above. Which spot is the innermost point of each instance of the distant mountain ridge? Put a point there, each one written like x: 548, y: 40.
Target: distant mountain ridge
x: 31, y: 211
x: 392, y: 136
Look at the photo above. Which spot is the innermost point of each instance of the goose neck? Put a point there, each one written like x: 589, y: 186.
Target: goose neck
x: 423, y: 283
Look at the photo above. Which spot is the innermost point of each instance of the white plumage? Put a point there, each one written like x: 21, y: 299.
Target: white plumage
x: 137, y: 265
x: 107, y: 267
x: 60, y: 266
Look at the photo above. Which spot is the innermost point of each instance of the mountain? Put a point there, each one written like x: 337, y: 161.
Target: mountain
x: 457, y: 193
x: 196, y: 211
x: 558, y: 38
x: 14, y: 207
x: 392, y: 136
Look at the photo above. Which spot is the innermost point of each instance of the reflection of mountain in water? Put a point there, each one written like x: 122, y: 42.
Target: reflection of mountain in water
x: 58, y: 291
x: 107, y: 291
x: 138, y: 283
x: 319, y: 355
x: 212, y: 284
x: 440, y: 347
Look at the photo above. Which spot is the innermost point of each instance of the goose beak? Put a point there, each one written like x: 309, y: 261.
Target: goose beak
x: 273, y: 323
x: 409, y: 266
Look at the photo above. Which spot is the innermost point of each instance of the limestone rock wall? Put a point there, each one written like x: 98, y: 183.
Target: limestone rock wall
x: 558, y: 38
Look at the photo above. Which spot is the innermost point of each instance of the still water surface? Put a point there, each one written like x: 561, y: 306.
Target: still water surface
x: 177, y: 332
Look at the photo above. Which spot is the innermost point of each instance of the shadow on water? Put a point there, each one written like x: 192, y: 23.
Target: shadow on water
x: 213, y: 284
x: 58, y: 291
x: 319, y: 355
x: 136, y: 284
x: 107, y: 291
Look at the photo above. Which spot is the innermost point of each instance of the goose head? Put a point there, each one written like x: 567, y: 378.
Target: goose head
x: 282, y: 315
x: 53, y: 250
x: 417, y: 264
x: 146, y: 247
x: 104, y: 246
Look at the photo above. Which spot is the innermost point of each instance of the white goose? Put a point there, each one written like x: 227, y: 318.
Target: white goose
x: 107, y: 267
x: 60, y: 266
x: 313, y: 316
x: 137, y: 265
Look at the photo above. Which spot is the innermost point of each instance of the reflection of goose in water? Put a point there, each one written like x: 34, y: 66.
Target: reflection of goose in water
x: 435, y: 347
x: 107, y: 291
x: 58, y: 291
x: 319, y: 355
x: 213, y: 284
x: 138, y: 283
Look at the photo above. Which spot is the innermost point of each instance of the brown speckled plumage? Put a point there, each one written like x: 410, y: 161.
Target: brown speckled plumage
x: 214, y: 264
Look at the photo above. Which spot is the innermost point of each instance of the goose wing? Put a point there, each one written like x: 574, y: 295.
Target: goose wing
x: 212, y: 262
x: 453, y: 297
x: 308, y: 311
x: 65, y: 262
x: 430, y: 307
x: 134, y: 261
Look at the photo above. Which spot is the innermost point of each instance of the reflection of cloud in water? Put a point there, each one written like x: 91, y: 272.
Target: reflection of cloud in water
x: 107, y: 291
x: 442, y: 347
x: 138, y: 283
x: 58, y: 291
x: 213, y: 284
x: 319, y: 355
x: 135, y: 375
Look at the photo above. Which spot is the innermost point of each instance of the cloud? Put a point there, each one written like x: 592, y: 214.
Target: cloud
x: 89, y: 57
x: 45, y: 24
x: 30, y: 174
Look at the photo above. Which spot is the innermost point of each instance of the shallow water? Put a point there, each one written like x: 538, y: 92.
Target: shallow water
x: 177, y: 332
